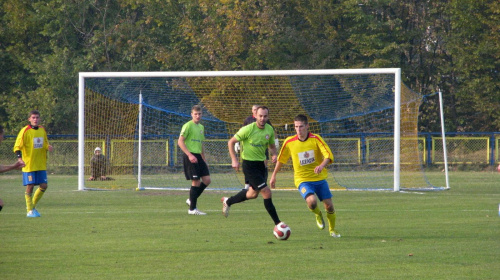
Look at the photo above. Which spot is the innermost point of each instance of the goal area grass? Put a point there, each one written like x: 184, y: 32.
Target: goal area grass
x: 148, y: 234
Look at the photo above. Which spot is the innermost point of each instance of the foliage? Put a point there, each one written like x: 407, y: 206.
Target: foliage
x: 448, y: 45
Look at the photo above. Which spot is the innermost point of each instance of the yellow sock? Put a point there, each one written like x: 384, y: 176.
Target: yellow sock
x: 29, y: 202
x: 315, y: 210
x: 331, y: 220
x: 38, y: 194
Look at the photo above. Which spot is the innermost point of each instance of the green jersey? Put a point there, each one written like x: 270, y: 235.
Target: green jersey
x: 254, y: 141
x: 193, y: 136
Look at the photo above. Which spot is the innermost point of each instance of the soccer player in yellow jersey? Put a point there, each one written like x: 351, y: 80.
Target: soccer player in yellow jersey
x: 310, y: 155
x: 5, y: 168
x: 195, y: 166
x: 31, y: 149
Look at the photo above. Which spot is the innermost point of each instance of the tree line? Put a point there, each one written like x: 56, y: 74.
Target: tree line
x: 452, y: 46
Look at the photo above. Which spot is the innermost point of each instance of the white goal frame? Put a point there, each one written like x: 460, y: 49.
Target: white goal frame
x: 81, y: 99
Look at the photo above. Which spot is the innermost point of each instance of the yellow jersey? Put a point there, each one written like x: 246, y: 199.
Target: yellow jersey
x: 306, y: 155
x: 33, y: 144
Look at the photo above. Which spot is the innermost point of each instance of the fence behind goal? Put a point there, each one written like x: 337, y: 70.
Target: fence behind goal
x: 141, y: 135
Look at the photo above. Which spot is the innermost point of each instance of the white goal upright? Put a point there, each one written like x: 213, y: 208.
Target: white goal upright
x: 367, y: 116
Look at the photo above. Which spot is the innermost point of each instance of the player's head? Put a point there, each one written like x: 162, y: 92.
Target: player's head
x: 97, y: 151
x: 34, y: 118
x: 301, y: 126
x: 262, y: 115
x: 301, y: 118
x: 254, y: 110
x: 196, y: 113
x: 1, y: 134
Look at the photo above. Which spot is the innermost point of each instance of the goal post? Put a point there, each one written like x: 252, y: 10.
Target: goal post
x: 367, y: 116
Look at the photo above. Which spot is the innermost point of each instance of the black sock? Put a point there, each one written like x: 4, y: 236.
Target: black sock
x: 237, y: 198
x: 193, y: 196
x: 194, y: 193
x: 201, y: 188
x: 268, y: 203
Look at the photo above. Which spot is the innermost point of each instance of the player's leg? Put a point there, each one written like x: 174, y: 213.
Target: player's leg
x: 39, y: 193
x: 269, y: 205
x: 307, y: 190
x: 41, y: 180
x: 331, y: 216
x: 197, y: 171
x: 1, y: 204
x: 191, y: 171
x: 249, y: 170
x: 228, y: 201
x: 204, y: 174
x: 28, y: 196
x: 29, y: 182
x: 325, y: 195
x: 193, y: 194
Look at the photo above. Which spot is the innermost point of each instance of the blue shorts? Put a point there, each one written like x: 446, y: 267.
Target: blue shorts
x: 320, y: 188
x: 35, y: 177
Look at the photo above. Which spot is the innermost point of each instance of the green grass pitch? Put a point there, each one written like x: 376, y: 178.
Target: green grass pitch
x: 124, y: 234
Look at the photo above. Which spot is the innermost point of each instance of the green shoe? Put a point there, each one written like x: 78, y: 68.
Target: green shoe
x: 319, y: 221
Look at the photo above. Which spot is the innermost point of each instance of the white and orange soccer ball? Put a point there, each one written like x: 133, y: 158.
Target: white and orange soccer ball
x: 282, y: 231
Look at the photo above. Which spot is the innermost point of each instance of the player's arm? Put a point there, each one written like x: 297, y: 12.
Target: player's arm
x: 182, y: 145
x: 322, y: 165
x: 277, y: 168
x: 274, y: 152
x: 272, y: 148
x: 234, y: 160
x: 18, y: 146
x: 17, y: 165
x: 46, y: 140
x: 203, y: 154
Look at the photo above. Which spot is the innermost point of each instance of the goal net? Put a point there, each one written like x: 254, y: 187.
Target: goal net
x: 367, y: 116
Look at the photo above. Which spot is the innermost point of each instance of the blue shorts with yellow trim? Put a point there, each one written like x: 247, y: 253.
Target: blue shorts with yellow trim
x: 320, y: 188
x: 35, y: 177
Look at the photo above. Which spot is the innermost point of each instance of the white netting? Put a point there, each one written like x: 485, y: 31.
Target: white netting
x: 354, y: 113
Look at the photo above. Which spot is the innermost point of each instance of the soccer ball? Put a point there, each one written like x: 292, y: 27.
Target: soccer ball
x: 282, y: 231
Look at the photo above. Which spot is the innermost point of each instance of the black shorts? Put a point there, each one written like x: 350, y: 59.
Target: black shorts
x: 255, y: 174
x: 194, y: 171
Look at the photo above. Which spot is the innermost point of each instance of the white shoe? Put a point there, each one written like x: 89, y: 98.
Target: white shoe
x: 334, y: 234
x: 196, y: 212
x: 225, y: 207
x: 188, y: 202
x: 31, y: 214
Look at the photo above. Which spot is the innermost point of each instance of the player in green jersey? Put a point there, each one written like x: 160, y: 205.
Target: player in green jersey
x: 195, y: 166
x: 255, y: 139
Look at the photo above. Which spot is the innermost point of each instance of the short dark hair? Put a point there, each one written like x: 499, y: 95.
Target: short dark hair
x: 301, y: 118
x: 196, y: 108
x: 33, y: 112
x: 263, y: 108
